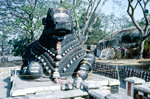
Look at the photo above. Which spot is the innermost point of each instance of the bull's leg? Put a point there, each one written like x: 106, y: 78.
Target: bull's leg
x: 37, y: 63
x: 32, y: 71
x: 86, y: 65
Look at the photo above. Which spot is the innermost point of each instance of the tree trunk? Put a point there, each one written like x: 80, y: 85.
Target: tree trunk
x: 27, y: 41
x: 2, y: 46
x: 141, y: 49
x: 60, y: 1
x: 32, y: 35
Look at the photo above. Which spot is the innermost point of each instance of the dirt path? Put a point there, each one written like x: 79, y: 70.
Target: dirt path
x: 127, y: 62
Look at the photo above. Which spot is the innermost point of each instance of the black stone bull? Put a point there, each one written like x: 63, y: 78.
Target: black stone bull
x: 57, y: 52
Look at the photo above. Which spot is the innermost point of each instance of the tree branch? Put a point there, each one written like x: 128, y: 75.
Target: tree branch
x: 90, y: 28
x: 145, y: 37
x: 131, y: 14
x: 78, y: 32
x: 89, y: 6
x: 146, y: 18
x: 30, y: 3
x: 97, y: 14
x: 145, y: 3
x: 141, y: 5
x: 35, y: 3
x: 136, y: 5
x: 128, y: 9
x: 89, y: 18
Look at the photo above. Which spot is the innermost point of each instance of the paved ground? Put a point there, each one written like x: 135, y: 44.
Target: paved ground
x: 4, y: 85
x: 5, y: 72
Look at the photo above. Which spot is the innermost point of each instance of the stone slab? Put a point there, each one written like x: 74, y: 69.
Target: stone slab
x: 90, y: 85
x: 98, y: 94
x: 24, y: 87
x: 55, y: 95
x: 118, y: 96
x: 100, y: 82
x: 134, y: 80
x: 113, y: 82
x: 145, y: 87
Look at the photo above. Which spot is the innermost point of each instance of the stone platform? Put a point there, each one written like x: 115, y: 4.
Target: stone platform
x: 22, y: 87
x: 45, y: 88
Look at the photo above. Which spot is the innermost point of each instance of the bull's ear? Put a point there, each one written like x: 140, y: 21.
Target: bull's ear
x: 50, y: 10
x: 44, y: 21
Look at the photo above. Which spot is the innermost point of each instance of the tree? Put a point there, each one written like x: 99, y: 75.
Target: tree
x: 24, y: 17
x: 3, y: 38
x: 132, y: 6
x: 83, y: 12
x: 97, y: 32
x: 21, y: 20
x: 113, y: 24
x: 19, y: 46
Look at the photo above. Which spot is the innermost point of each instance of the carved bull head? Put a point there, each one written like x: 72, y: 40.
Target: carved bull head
x: 59, y: 20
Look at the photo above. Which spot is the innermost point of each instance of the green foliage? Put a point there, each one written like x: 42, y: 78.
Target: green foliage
x: 97, y: 33
x: 25, y: 17
x: 78, y: 11
x: 95, y: 36
x: 22, y: 22
x: 142, y: 21
x: 19, y: 46
x: 146, y: 52
x: 25, y: 21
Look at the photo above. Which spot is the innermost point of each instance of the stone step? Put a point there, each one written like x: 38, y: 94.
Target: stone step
x: 56, y: 95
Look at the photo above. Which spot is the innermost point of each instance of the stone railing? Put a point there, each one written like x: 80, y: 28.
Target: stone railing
x: 120, y: 72
x: 106, y: 70
x: 137, y: 88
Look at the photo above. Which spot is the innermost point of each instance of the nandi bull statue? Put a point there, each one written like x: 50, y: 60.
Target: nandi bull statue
x: 58, y: 52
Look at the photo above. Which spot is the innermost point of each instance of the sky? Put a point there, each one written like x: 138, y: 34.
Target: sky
x: 119, y: 9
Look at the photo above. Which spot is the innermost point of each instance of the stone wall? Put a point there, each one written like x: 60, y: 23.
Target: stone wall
x: 120, y: 72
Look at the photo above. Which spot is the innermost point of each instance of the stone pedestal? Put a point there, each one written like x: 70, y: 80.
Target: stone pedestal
x: 95, y: 87
x: 130, y: 83
x: 22, y: 87
x: 114, y: 85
